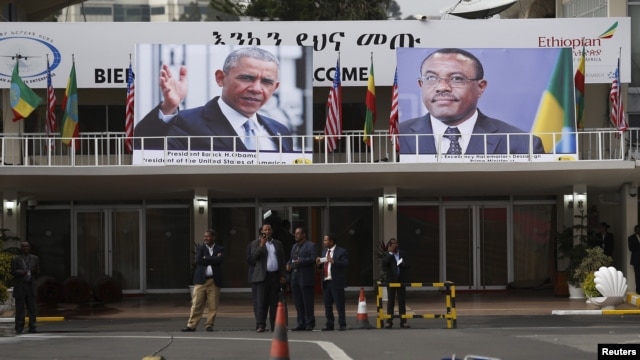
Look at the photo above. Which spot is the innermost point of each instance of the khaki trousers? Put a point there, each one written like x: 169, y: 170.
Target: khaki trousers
x: 207, y: 293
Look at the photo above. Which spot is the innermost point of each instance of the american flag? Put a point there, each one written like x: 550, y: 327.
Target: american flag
x: 393, y: 118
x: 617, y: 109
x: 51, y: 108
x: 128, y: 122
x: 333, y: 127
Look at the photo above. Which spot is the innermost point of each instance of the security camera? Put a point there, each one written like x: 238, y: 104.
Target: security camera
x: 633, y: 189
x: 32, y: 203
x: 420, y: 17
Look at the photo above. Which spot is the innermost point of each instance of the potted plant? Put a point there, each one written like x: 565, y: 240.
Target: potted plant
x: 584, y: 272
x: 572, y: 244
x: 6, y: 255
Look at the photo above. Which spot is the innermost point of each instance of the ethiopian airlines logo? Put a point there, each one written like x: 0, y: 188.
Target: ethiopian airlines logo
x: 31, y: 53
x: 610, y: 31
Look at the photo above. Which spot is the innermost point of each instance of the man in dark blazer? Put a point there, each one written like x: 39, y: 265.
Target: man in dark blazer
x: 207, y: 280
x: 25, y: 269
x: 395, y: 266
x: 248, y: 79
x: 334, y: 262
x: 634, y: 247
x: 605, y: 239
x: 451, y: 82
x: 267, y: 258
x: 302, y: 268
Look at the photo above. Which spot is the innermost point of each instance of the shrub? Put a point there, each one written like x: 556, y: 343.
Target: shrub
x: 589, y: 286
x: 593, y: 260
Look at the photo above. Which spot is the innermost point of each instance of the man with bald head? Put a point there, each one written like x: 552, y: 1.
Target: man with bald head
x: 451, y: 82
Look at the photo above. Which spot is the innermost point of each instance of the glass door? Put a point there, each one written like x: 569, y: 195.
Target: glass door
x: 476, y: 246
x: 108, y: 243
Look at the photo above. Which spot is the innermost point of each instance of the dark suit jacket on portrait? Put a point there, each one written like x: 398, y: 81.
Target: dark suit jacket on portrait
x: 496, y: 144
x: 206, y: 120
x: 339, y: 267
x: 258, y: 259
x: 203, y: 259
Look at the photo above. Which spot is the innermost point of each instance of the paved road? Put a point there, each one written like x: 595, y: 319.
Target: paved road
x: 504, y: 337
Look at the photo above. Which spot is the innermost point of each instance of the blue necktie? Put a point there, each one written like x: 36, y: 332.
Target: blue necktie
x: 453, y: 134
x: 249, y: 135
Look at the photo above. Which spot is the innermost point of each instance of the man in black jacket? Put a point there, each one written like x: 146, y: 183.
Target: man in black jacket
x: 395, y: 266
x: 207, y: 280
x: 25, y: 269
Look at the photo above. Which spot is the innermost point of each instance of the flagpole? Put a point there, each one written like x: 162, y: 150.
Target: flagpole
x: 21, y: 141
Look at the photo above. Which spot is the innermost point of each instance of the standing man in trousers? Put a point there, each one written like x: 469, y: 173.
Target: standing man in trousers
x: 634, y: 247
x: 303, y: 279
x: 267, y: 257
x: 333, y: 263
x: 396, y: 269
x: 207, y: 280
x: 25, y: 268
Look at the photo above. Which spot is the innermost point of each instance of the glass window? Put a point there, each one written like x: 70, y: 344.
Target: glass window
x: 48, y: 231
x: 353, y: 226
x: 95, y: 10
x: 418, y: 235
x: 235, y: 228
x: 533, y: 242
x: 169, y: 248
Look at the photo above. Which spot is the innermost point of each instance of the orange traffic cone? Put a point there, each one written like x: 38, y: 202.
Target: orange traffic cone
x: 362, y: 318
x: 280, y: 344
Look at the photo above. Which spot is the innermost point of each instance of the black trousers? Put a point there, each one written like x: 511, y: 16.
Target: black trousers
x: 332, y: 295
x: 28, y: 300
x: 267, y: 299
x: 636, y: 271
x: 303, y: 299
x: 401, y: 293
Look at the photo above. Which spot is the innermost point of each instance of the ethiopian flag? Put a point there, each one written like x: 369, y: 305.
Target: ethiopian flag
x: 22, y: 99
x: 370, y: 101
x: 555, y: 121
x: 578, y: 80
x: 70, y: 103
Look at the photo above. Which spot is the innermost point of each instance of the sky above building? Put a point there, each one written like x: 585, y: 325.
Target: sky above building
x: 425, y: 7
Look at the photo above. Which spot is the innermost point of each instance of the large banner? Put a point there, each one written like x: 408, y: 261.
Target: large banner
x: 213, y: 104
x: 486, y: 105
x: 102, y: 50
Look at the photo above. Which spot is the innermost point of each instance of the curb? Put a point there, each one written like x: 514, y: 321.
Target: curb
x: 632, y: 299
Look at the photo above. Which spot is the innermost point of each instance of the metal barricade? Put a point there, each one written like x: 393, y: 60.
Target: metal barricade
x: 450, y: 303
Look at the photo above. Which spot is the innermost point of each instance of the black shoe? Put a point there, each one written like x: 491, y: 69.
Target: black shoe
x: 327, y: 329
x: 209, y: 328
x: 33, y: 331
x: 343, y: 328
x: 187, y: 329
x: 309, y: 328
x: 18, y: 332
x: 260, y: 329
x: 299, y: 328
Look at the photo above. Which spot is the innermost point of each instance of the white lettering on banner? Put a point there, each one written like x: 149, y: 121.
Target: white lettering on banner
x: 355, y: 40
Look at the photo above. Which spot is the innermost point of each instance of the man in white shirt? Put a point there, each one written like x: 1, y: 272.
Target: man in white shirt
x: 248, y: 79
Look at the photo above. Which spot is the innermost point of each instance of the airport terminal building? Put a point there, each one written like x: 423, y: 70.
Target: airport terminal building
x: 486, y: 220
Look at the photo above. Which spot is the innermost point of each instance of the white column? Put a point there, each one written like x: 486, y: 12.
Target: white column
x: 200, y: 213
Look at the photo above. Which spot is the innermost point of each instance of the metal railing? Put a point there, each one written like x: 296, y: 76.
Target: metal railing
x: 108, y: 149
